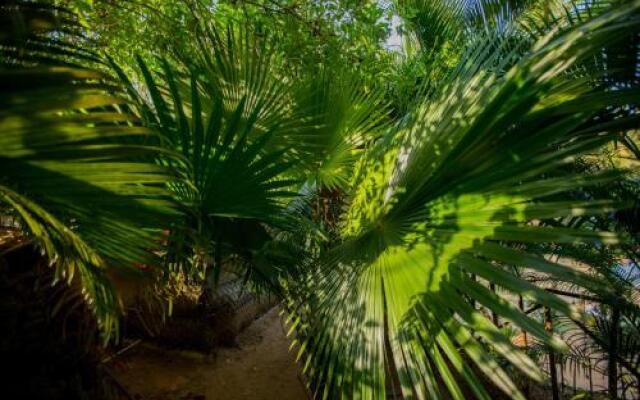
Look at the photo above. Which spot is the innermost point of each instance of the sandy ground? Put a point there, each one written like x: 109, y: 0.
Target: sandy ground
x: 260, y: 368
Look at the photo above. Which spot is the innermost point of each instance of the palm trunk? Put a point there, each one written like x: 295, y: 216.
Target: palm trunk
x: 561, y: 362
x: 527, y: 389
x: 494, y: 316
x: 213, y: 267
x: 473, y: 301
x: 548, y: 325
x: 613, y: 354
x: 590, y: 378
x: 575, y: 379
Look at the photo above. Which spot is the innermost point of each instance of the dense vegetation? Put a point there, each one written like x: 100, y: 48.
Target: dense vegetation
x: 414, y: 207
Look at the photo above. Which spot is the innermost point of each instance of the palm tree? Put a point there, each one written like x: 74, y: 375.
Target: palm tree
x: 426, y: 211
x: 72, y: 164
x: 444, y: 195
x: 607, y: 339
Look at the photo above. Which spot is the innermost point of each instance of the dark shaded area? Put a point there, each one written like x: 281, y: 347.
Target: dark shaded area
x: 47, y: 335
x: 201, y: 324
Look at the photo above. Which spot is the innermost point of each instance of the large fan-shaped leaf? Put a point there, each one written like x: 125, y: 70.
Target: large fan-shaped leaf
x: 80, y: 192
x: 464, y: 181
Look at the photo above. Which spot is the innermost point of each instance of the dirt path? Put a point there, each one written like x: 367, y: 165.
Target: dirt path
x: 261, y: 368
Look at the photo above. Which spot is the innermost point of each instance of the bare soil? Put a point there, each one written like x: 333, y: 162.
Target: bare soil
x: 260, y: 367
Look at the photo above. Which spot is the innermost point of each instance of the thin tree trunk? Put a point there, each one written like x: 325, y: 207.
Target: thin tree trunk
x: 473, y: 301
x: 213, y: 267
x: 494, y: 316
x: 613, y: 354
x: 548, y: 325
x: 590, y: 378
x: 561, y: 362
x: 575, y: 379
x: 527, y: 388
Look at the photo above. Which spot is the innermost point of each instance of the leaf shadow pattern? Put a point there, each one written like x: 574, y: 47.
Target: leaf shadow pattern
x: 451, y: 191
x: 73, y: 167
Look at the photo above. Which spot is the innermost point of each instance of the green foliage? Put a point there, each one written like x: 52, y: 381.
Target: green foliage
x: 70, y: 159
x: 384, y: 207
x: 465, y: 182
x: 223, y: 118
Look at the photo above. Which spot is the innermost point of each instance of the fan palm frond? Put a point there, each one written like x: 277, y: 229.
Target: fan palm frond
x: 442, y: 200
x: 69, y: 159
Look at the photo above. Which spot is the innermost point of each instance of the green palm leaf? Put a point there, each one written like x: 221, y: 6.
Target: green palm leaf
x: 228, y: 115
x: 80, y: 191
x: 347, y: 117
x: 445, y: 197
